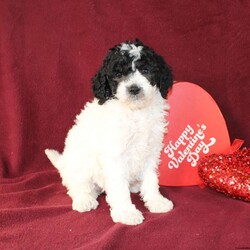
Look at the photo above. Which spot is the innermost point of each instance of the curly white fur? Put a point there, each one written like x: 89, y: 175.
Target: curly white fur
x: 115, y: 147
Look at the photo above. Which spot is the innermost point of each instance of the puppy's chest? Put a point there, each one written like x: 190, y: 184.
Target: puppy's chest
x: 138, y: 126
x: 139, y: 133
x: 133, y: 132
x: 139, y: 141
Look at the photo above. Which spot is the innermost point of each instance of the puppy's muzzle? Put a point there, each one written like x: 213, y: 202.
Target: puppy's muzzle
x: 134, y: 89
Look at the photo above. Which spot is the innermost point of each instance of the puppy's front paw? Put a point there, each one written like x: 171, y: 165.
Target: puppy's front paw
x: 160, y: 205
x: 129, y: 215
x: 84, y: 203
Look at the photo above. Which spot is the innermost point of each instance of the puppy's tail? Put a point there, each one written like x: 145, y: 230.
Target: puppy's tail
x: 54, y: 156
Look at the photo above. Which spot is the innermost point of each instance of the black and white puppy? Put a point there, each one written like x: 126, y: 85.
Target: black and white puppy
x: 115, y: 144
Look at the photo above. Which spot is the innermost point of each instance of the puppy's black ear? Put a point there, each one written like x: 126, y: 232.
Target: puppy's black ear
x: 100, y: 86
x: 165, y: 78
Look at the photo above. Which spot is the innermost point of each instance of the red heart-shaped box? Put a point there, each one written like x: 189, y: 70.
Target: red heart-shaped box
x: 196, y: 128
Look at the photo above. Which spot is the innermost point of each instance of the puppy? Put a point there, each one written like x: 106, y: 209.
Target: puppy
x: 115, y: 144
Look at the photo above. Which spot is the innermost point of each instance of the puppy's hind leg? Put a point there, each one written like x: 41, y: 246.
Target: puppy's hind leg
x: 76, y: 176
x: 83, y: 195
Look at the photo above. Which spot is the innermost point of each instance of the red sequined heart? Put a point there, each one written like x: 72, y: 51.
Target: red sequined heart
x: 228, y: 173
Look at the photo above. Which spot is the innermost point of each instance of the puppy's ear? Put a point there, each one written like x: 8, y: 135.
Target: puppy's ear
x: 100, y: 86
x: 165, y: 78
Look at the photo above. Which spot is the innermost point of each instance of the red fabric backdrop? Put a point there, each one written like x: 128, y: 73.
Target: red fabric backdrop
x: 49, y: 52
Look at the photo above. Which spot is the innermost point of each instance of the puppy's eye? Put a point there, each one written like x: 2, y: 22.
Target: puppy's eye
x: 130, y: 70
x: 118, y: 75
x: 145, y: 70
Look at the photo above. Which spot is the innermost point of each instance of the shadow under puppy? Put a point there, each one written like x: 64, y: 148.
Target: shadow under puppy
x: 115, y: 144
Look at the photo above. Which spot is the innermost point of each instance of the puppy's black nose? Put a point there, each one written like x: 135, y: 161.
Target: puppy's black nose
x: 134, y: 89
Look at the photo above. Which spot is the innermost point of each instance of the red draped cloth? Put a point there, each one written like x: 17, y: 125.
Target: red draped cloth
x: 49, y: 50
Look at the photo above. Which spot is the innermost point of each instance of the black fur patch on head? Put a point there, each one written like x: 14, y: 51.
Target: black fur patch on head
x: 118, y: 64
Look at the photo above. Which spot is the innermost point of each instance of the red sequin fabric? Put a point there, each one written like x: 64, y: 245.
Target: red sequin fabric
x: 228, y: 173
